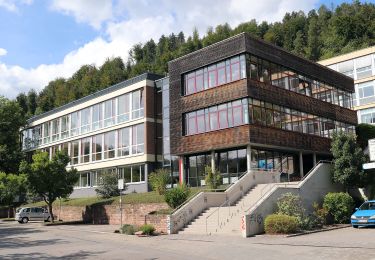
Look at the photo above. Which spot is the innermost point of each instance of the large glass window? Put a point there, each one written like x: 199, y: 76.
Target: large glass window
x: 109, y: 112
x: 85, y: 150
x: 65, y: 127
x: 137, y: 104
x: 74, y: 152
x: 46, y: 133
x: 363, y: 67
x: 55, y: 129
x: 124, y: 142
x: 366, y: 93
x: 123, y: 108
x: 217, y: 117
x: 138, y: 136
x: 109, y: 145
x: 74, y: 124
x: 85, y: 120
x: 215, y: 75
x: 346, y: 67
x: 97, y: 117
x: 132, y: 174
x: 97, y: 147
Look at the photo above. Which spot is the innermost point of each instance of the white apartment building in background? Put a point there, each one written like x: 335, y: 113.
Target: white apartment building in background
x: 360, y: 65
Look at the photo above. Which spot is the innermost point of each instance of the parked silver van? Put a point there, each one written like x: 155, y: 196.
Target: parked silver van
x: 23, y: 215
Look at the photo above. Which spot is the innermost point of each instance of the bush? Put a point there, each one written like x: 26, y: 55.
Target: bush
x: 108, y: 186
x: 213, y: 177
x: 320, y: 215
x: 128, y: 229
x: 159, y: 180
x: 176, y: 196
x: 147, y: 229
x: 280, y: 224
x: 291, y: 205
x: 339, y: 205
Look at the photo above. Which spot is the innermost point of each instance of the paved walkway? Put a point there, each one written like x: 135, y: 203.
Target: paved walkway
x: 33, y: 241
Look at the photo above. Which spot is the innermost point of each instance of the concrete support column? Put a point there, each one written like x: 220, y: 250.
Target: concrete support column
x: 181, y: 169
x: 213, y: 166
x: 301, y: 164
x: 314, y: 159
x: 248, y: 157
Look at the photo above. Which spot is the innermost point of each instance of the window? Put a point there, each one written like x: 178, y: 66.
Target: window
x: 65, y: 127
x: 366, y: 93
x: 55, y: 129
x: 97, y: 117
x: 138, y: 139
x: 109, y: 145
x: 85, y: 150
x: 123, y: 108
x: 97, y: 147
x: 65, y: 148
x: 109, y: 112
x: 74, y: 152
x: 363, y: 67
x: 132, y: 174
x: 346, y: 67
x: 124, y: 142
x: 215, y: 75
x: 367, y: 116
x: 74, y: 125
x: 137, y: 104
x: 85, y: 120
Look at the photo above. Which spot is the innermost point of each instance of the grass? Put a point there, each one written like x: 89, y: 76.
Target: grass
x: 131, y: 198
x: 7, y: 219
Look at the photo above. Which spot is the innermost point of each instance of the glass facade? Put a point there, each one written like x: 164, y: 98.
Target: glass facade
x: 224, y: 72
x: 254, y: 111
x: 131, y: 174
x: 114, y: 111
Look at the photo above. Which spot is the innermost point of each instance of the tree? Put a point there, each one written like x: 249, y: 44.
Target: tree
x: 348, y: 160
x: 213, y: 177
x: 159, y: 180
x: 49, y: 178
x: 11, y: 186
x: 108, y: 185
x: 11, y: 120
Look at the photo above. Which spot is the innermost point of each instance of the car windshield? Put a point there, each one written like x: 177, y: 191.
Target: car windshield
x: 368, y: 206
x: 18, y: 210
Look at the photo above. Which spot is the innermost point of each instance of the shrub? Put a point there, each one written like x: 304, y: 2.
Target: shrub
x: 147, y: 229
x: 128, y: 229
x: 108, y: 185
x: 280, y: 224
x: 339, y: 205
x: 291, y: 205
x: 159, y: 180
x: 176, y: 196
x: 213, y: 177
x: 320, y: 215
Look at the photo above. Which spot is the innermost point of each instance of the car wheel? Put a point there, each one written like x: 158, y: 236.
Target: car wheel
x: 355, y: 226
x: 20, y: 222
x: 25, y: 220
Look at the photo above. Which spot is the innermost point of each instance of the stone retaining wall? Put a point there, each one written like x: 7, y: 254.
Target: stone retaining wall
x: 135, y: 214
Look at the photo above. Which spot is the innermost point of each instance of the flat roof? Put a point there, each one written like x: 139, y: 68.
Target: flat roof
x: 123, y: 84
x: 348, y: 56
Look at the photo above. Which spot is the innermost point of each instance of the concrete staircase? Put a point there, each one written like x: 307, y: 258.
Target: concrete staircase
x: 226, y: 218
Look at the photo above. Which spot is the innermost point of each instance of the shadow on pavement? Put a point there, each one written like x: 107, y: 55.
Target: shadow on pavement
x: 7, y: 230
x: 41, y: 256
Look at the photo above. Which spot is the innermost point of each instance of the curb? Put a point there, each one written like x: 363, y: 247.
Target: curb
x: 318, y: 231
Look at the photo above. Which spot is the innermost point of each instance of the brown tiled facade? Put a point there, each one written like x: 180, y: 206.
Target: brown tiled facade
x: 250, y: 134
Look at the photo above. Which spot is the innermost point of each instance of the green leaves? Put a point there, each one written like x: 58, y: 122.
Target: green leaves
x: 348, y: 160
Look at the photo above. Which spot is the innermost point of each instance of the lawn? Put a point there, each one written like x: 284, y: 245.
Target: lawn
x: 132, y: 198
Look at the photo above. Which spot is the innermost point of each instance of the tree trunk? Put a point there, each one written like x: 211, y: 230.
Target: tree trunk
x: 9, y: 211
x: 50, y: 211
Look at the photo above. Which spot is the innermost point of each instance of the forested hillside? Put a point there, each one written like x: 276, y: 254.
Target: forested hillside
x: 319, y: 34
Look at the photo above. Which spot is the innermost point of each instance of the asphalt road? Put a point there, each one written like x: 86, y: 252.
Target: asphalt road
x: 33, y: 241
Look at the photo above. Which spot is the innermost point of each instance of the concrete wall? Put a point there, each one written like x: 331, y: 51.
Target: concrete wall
x: 312, y: 189
x: 202, y: 201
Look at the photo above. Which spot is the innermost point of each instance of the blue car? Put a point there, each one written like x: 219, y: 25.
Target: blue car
x: 364, y: 215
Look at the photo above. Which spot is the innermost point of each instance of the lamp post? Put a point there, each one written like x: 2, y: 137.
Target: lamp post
x: 121, y: 188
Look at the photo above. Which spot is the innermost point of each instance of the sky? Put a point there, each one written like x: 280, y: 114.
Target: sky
x: 41, y: 40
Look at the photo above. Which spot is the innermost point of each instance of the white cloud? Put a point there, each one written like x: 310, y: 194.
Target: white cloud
x: 3, y: 52
x: 93, y: 12
x: 126, y: 23
x: 12, y: 5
